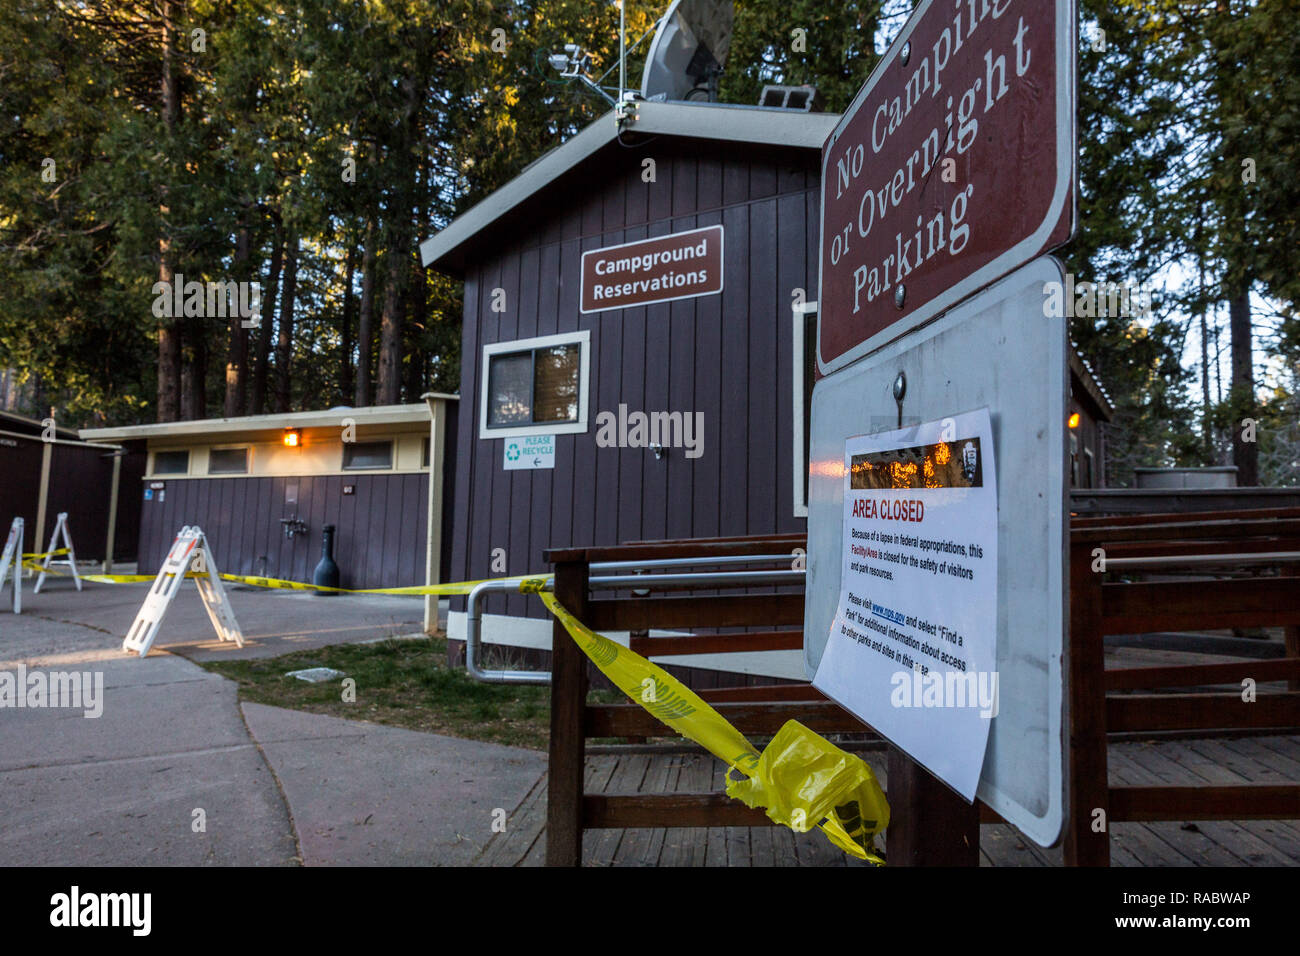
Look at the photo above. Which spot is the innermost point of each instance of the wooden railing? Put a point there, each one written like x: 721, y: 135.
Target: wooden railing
x: 752, y: 710
x: 933, y: 826
x: 1100, y: 607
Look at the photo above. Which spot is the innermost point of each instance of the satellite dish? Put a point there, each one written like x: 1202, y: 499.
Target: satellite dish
x: 688, y: 51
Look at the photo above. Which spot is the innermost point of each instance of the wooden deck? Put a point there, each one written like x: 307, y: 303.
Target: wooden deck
x: 1274, y: 759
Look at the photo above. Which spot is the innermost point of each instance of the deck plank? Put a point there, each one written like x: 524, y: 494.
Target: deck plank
x: 599, y: 847
x: 1199, y: 847
x: 1192, y: 761
x: 641, y: 846
x: 1238, y: 840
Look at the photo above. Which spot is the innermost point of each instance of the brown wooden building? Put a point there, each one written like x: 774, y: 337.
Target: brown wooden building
x: 1089, y: 402
x: 45, y: 470
x: 262, y: 488
x: 732, y: 360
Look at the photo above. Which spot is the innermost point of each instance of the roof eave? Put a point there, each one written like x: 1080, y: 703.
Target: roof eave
x: 711, y: 121
x: 372, y: 415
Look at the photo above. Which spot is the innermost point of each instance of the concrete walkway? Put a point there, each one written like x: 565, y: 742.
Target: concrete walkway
x: 175, y: 772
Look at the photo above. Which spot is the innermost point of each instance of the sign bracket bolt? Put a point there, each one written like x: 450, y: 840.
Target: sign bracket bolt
x: 900, y: 389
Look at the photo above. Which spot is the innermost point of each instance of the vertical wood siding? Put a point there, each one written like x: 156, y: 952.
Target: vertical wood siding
x: 726, y: 355
x: 81, y: 483
x: 379, y: 541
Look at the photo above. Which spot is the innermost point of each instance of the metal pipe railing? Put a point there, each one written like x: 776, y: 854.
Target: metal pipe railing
x: 662, y: 563
x: 710, y: 580
x: 474, y: 643
x: 1189, y: 560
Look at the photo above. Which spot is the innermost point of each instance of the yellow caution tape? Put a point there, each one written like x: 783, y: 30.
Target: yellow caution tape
x: 801, y: 779
x: 100, y: 578
x: 415, y: 590
x: 457, y: 587
x: 37, y: 555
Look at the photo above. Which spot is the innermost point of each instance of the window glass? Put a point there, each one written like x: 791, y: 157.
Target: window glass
x: 171, y: 462
x: 367, y: 454
x: 510, y: 389
x: 555, y: 383
x: 228, y: 461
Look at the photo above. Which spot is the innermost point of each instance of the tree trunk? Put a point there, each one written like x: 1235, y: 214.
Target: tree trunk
x: 349, y: 302
x: 194, y: 369
x: 1245, y: 454
x: 1207, y: 434
x: 399, y: 253
x: 237, y: 354
x: 418, y: 308
x: 284, y: 345
x: 169, y: 338
x: 261, y: 369
x: 365, y: 320
x: 390, y: 321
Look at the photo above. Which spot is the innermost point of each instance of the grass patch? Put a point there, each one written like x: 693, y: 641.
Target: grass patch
x: 400, y: 683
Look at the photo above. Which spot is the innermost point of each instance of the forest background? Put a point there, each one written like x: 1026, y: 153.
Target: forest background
x: 310, y: 145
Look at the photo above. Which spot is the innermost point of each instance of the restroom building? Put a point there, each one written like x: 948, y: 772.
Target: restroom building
x: 262, y: 488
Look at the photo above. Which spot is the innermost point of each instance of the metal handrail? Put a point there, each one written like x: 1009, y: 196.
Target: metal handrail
x: 473, y: 638
x: 1183, y: 560
x: 710, y: 580
x: 661, y: 563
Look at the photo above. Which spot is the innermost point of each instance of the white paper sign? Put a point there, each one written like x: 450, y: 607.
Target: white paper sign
x: 913, y: 645
x: 533, y: 451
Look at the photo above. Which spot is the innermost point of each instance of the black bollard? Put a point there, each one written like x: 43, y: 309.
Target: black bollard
x: 327, y: 572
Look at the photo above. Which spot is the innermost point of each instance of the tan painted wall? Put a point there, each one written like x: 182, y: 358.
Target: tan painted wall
x: 320, y: 452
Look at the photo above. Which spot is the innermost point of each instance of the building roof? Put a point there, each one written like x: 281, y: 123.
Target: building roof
x: 750, y: 125
x: 210, y: 427
x: 22, y: 425
x: 1091, y: 384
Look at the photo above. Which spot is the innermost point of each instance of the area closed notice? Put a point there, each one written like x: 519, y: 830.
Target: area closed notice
x: 913, y: 644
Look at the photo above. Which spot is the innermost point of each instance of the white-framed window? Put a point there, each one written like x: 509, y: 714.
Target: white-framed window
x: 367, y: 455
x: 804, y: 355
x: 228, y: 461
x: 535, y: 386
x: 175, y: 462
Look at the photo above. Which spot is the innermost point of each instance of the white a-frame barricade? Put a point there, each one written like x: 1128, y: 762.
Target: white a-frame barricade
x: 69, y: 559
x: 11, y: 563
x: 189, y: 552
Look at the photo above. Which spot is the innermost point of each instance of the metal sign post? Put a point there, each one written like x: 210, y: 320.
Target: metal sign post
x: 11, y: 563
x: 189, y: 552
x: 997, y: 351
x: 70, y: 561
x: 943, y: 185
